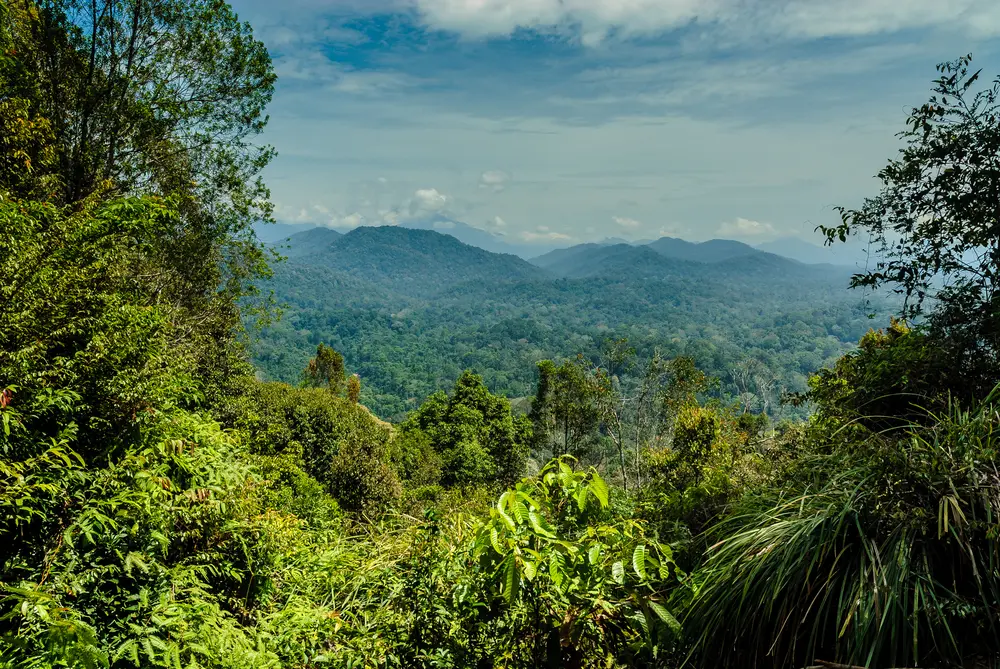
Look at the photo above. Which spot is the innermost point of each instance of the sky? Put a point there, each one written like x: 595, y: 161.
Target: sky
x: 562, y: 121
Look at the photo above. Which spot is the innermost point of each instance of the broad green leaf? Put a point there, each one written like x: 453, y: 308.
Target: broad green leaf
x: 644, y: 623
x: 527, y: 499
x: 507, y: 520
x: 556, y: 568
x: 520, y: 510
x: 618, y: 572
x: 639, y: 561
x: 510, y: 580
x: 599, y: 488
x: 666, y: 617
x: 540, y: 525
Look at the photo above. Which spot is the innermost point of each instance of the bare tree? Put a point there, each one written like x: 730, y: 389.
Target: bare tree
x: 639, y: 410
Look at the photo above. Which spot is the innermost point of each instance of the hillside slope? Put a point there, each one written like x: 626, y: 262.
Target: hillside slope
x: 306, y: 242
x: 410, y: 310
x: 416, y: 262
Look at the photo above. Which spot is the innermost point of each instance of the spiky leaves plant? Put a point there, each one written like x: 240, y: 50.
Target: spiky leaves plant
x: 888, y: 557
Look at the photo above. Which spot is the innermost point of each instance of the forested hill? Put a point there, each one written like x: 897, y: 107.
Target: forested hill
x: 411, y: 309
x: 307, y: 242
x: 588, y: 260
x: 714, y: 250
x: 411, y: 262
x: 161, y: 506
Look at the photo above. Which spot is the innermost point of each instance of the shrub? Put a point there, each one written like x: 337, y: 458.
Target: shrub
x: 883, y: 560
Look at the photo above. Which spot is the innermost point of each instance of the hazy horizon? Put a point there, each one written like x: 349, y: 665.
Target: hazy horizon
x: 562, y: 122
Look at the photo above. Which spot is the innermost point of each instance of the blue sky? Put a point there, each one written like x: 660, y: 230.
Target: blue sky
x: 572, y: 120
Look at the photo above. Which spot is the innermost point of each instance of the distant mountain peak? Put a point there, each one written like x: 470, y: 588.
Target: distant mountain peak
x: 416, y: 262
x: 307, y: 242
x: 473, y: 236
x: 711, y: 251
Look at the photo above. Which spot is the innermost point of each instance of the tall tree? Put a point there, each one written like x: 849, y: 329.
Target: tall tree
x: 149, y: 97
x: 354, y: 389
x: 936, y: 221
x: 326, y: 370
x: 639, y: 410
x: 161, y: 95
x: 473, y: 432
x: 565, y: 411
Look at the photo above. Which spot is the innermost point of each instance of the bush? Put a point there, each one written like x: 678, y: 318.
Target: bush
x: 894, y: 378
x: 883, y: 560
x: 472, y: 436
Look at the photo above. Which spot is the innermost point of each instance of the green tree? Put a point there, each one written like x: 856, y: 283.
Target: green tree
x: 354, y: 388
x: 639, y: 410
x: 893, y: 378
x: 936, y: 221
x: 326, y: 370
x: 140, y: 97
x: 565, y: 412
x: 473, y: 432
x: 159, y: 95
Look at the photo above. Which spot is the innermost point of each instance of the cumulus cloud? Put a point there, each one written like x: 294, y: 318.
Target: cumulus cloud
x: 494, y: 180
x: 744, y: 227
x: 318, y: 214
x: 627, y: 223
x: 594, y: 20
x: 427, y: 201
x: 542, y: 233
x: 496, y: 226
x: 350, y: 221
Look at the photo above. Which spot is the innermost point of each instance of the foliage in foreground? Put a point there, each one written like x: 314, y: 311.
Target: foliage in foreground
x: 159, y: 507
x: 884, y: 554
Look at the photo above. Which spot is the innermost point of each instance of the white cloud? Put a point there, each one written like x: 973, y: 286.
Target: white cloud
x: 444, y: 225
x: 627, y: 223
x: 593, y: 20
x: 543, y: 234
x: 496, y: 226
x: 494, y: 180
x: 744, y: 227
x: 317, y: 214
x: 428, y: 201
x: 349, y: 221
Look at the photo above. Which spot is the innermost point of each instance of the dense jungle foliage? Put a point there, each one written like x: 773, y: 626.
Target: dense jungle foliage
x: 411, y: 309
x: 160, y: 506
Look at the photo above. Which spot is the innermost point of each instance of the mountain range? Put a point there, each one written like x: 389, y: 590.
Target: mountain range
x: 411, y: 309
x: 289, y: 237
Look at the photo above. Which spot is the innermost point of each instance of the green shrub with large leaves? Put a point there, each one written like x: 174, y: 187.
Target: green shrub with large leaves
x: 590, y: 588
